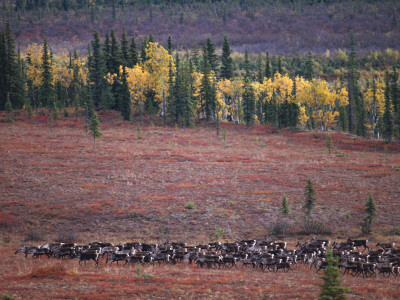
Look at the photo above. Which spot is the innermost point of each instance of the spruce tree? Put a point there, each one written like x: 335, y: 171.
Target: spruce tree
x: 370, y: 209
x: 395, y: 93
x: 125, y: 97
x: 309, y: 68
x: 143, y: 54
x: 169, y: 45
x: 107, y: 54
x: 74, y: 87
x: 94, y: 128
x: 247, y: 68
x: 97, y: 69
x: 207, y: 88
x: 124, y: 49
x: 115, y: 54
x: 195, y: 57
x: 169, y: 106
x: 387, y: 115
x: 188, y: 111
x: 285, y: 206
x: 226, y: 60
x: 133, y: 54
x: 268, y: 68
x: 332, y: 288
x: 260, y: 74
x: 280, y: 69
x: 309, y: 194
x: 352, y: 87
x: 211, y: 56
x: 151, y: 39
x: 248, y: 96
x: 248, y: 102
x: 46, y: 90
x: 14, y: 80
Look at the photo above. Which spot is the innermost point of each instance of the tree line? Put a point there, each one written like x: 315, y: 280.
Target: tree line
x: 183, y: 86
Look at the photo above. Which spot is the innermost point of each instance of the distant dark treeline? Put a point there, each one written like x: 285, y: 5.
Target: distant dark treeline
x: 79, y: 4
x: 280, y: 27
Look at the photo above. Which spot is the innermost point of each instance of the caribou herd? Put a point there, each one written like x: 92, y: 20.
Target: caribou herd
x: 355, y: 257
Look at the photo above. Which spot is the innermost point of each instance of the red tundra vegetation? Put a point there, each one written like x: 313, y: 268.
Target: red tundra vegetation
x: 130, y: 189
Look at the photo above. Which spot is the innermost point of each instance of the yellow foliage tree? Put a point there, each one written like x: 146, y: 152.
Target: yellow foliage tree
x: 374, y: 98
x: 231, y: 92
x: 157, y: 66
x: 139, y: 82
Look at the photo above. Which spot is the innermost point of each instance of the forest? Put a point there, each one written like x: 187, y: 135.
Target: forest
x: 341, y: 91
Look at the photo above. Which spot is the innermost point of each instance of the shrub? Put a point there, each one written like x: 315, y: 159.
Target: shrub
x: 55, y: 272
x: 218, y: 232
x: 142, y: 275
x: 279, y: 228
x: 5, y: 297
x: 313, y: 226
x: 189, y: 205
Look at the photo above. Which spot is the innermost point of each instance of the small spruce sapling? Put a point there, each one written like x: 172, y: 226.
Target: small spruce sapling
x: 328, y: 143
x: 285, y: 206
x: 309, y: 193
x: 94, y: 128
x: 332, y: 288
x: 370, y: 209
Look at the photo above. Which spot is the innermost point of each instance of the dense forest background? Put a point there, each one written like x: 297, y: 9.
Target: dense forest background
x: 280, y: 27
x: 299, y: 64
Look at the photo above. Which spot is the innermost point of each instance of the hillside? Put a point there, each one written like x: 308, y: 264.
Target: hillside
x: 280, y: 27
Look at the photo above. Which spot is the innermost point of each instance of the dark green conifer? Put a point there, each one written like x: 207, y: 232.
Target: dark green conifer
x: 247, y: 68
x: 395, y: 94
x: 46, y: 90
x: 125, y: 97
x: 309, y: 68
x: 260, y: 74
x: 226, y: 60
x: 309, y: 194
x: 268, y: 68
x: 124, y: 49
x: 169, y: 45
x: 94, y: 128
x: 133, y: 54
x: 280, y: 69
x: 332, y: 288
x: 248, y: 95
x: 143, y: 54
x: 352, y: 87
x: 97, y: 70
x: 211, y: 56
x: 207, y: 89
x: 370, y: 209
x: 285, y: 206
x: 115, y: 54
x: 107, y: 54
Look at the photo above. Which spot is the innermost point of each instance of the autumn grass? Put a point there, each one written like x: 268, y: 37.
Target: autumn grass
x: 130, y: 189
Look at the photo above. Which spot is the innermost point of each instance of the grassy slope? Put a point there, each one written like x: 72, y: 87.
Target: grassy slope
x: 136, y: 189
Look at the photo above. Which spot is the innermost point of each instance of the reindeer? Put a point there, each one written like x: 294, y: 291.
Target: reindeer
x: 358, y: 243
